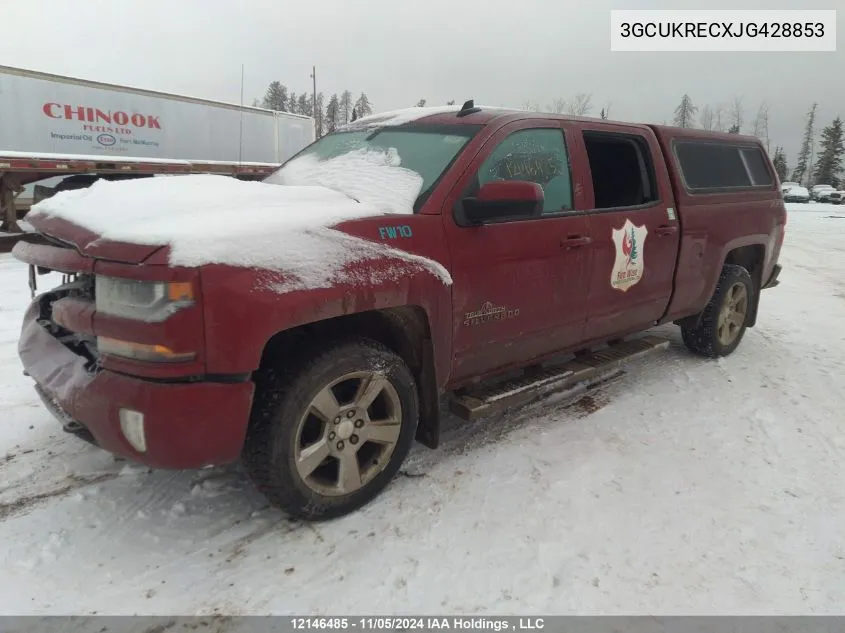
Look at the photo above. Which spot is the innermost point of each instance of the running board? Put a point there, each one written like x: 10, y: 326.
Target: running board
x: 584, y: 370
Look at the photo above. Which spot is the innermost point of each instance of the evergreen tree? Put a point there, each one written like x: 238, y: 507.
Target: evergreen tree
x: 363, y: 106
x: 332, y: 120
x: 685, y: 113
x: 828, y: 170
x: 293, y: 103
x: 354, y: 114
x: 421, y: 103
x: 737, y: 116
x: 303, y: 105
x: 276, y: 97
x: 779, y: 163
x: 801, y: 166
x: 345, y: 106
x: 452, y: 102
x: 603, y: 114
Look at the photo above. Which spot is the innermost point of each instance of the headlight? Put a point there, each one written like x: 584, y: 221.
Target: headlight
x: 151, y: 301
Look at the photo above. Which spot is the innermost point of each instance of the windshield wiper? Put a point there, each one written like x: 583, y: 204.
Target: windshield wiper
x: 344, y: 193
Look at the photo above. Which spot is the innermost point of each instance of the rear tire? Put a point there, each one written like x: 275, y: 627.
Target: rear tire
x: 725, y: 318
x: 329, y: 433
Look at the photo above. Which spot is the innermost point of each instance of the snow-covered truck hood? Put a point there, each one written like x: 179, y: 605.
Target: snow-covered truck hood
x: 207, y: 219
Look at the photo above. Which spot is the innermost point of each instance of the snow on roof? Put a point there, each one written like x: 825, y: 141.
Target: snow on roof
x: 217, y: 219
x: 797, y: 189
x: 408, y: 115
x: 400, y: 117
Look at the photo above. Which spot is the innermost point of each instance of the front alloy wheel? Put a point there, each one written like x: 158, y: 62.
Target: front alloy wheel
x: 331, y: 429
x: 343, y: 442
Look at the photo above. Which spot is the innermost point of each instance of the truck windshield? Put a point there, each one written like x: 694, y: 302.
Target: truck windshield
x: 393, y: 167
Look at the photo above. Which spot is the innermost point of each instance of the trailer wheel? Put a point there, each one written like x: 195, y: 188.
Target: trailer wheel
x: 329, y: 433
x: 725, y: 317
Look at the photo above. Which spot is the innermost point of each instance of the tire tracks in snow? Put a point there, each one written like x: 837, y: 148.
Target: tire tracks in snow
x: 26, y: 503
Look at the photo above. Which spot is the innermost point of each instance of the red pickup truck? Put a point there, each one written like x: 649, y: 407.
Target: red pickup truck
x: 484, y: 255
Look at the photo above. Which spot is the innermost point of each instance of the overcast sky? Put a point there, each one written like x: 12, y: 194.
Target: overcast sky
x: 398, y: 51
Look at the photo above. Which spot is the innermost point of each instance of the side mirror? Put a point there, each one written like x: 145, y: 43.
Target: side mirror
x: 504, y: 200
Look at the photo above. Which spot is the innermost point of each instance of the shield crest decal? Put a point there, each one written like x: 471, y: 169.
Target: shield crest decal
x: 629, y: 266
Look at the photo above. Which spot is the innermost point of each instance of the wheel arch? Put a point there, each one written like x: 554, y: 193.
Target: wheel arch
x: 752, y: 257
x: 405, y: 330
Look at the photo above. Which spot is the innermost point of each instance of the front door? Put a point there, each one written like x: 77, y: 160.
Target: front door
x: 519, y: 286
x: 634, y: 228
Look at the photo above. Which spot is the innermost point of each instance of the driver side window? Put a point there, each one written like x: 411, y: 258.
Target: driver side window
x: 538, y: 155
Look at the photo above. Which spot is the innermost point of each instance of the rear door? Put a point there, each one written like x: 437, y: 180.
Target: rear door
x: 634, y: 226
x: 519, y: 286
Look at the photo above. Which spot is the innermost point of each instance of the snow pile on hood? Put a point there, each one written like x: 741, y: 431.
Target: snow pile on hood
x: 372, y: 177
x: 217, y: 219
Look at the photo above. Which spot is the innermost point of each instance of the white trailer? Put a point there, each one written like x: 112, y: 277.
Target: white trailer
x: 55, y: 125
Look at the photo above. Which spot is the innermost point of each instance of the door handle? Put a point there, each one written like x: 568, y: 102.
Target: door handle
x: 666, y: 229
x: 576, y: 241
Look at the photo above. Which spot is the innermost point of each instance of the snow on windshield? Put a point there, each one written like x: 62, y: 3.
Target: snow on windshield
x: 390, y: 168
x: 370, y: 176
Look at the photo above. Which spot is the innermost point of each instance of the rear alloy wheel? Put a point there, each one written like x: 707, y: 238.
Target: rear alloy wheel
x: 327, y: 437
x: 725, y: 317
x: 733, y: 314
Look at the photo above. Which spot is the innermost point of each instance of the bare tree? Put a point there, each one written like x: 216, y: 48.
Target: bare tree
x: 737, y: 114
x: 719, y: 117
x: 761, y: 124
x: 558, y: 106
x: 530, y: 106
x: 580, y: 105
x: 707, y: 118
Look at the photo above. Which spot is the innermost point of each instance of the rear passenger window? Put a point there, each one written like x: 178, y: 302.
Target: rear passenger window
x: 708, y: 165
x: 621, y: 168
x: 537, y: 155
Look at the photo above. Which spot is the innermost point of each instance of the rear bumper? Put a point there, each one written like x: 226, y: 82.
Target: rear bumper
x: 773, y: 279
x: 186, y: 425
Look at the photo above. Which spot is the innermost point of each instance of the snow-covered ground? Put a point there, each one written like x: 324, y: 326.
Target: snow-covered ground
x: 690, y: 486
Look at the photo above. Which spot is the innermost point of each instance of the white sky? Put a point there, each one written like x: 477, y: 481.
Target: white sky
x: 398, y: 51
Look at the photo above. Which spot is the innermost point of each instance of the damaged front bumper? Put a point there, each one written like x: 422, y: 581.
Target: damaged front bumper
x: 185, y: 424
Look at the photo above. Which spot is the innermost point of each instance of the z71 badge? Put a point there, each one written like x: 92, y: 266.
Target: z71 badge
x: 629, y: 266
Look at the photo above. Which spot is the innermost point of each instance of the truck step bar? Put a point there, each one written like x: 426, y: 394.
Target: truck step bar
x: 585, y: 370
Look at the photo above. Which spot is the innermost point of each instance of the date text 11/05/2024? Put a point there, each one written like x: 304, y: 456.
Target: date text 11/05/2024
x: 427, y: 623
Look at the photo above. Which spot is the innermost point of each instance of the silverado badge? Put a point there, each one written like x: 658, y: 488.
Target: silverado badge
x: 629, y: 266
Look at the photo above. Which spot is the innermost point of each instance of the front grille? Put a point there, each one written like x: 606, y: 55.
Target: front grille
x: 77, y: 286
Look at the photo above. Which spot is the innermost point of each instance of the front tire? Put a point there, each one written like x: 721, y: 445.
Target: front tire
x: 725, y: 317
x: 326, y: 437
